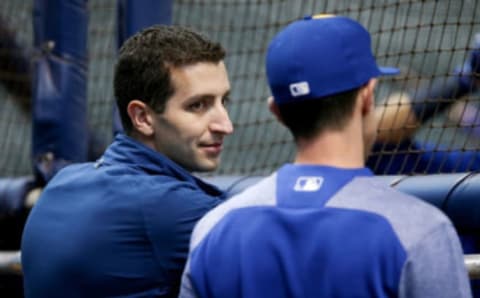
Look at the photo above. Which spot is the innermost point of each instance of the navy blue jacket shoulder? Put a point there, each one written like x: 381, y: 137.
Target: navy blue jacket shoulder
x: 117, y: 227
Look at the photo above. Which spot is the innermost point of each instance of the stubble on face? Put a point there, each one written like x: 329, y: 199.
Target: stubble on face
x: 192, y: 128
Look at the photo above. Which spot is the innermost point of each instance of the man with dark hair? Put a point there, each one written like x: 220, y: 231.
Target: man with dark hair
x: 121, y: 226
x: 324, y: 226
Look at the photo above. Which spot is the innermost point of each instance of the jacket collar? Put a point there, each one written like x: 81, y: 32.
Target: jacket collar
x: 127, y: 151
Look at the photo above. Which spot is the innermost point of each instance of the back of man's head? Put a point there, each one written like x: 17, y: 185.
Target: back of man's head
x: 145, y: 60
x: 315, y: 67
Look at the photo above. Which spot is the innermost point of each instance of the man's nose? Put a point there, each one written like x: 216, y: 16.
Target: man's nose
x: 221, y: 122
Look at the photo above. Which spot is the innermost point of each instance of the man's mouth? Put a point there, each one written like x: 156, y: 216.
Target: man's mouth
x: 212, y: 148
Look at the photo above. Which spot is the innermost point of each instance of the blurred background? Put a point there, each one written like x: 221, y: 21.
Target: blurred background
x: 426, y: 39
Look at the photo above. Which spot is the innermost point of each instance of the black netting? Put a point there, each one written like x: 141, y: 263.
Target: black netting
x: 426, y: 39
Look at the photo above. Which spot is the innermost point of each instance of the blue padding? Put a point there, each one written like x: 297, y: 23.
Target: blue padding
x: 463, y: 205
x: 134, y: 15
x: 65, y: 23
x: 410, y: 157
x: 435, y: 189
x: 12, y: 194
x: 455, y: 194
x: 59, y: 115
x: 59, y: 88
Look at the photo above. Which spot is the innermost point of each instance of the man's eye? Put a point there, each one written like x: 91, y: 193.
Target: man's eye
x: 197, y: 106
x: 226, y: 101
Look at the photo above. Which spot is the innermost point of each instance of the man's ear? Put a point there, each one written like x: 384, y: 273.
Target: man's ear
x: 273, y: 107
x: 141, y: 117
x: 367, y: 95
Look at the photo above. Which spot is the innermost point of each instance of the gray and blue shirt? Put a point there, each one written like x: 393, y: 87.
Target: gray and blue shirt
x: 316, y: 231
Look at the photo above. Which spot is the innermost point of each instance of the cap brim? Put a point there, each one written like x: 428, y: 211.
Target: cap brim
x: 388, y: 71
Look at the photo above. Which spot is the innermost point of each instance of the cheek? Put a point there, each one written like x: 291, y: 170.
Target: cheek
x: 192, y: 126
x: 182, y: 127
x: 187, y: 134
x: 189, y: 131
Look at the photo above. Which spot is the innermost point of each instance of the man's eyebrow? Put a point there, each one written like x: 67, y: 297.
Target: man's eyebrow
x: 200, y: 96
x: 207, y: 96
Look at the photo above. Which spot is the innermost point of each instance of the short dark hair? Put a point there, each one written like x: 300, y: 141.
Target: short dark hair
x: 307, y: 118
x: 143, y: 68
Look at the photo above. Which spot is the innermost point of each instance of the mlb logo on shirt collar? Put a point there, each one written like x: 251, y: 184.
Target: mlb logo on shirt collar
x: 308, y: 183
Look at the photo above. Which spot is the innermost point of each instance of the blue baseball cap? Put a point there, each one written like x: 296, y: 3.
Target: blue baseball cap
x: 320, y: 56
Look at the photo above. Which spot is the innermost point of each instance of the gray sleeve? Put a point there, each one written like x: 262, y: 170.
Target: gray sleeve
x: 435, y: 267
x: 186, y: 288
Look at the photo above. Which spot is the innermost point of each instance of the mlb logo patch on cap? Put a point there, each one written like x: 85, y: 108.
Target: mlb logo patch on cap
x: 299, y: 89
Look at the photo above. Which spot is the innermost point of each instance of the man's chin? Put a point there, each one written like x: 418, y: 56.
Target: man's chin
x: 205, y: 166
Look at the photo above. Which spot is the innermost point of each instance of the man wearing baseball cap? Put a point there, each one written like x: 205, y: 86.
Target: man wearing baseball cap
x: 323, y: 226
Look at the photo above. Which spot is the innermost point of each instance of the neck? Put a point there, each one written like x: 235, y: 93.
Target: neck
x: 145, y: 140
x: 343, y: 149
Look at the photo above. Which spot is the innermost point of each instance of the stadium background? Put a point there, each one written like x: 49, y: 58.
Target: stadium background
x: 424, y: 38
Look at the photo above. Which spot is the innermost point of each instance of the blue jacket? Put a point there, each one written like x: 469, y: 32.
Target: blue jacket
x: 117, y: 227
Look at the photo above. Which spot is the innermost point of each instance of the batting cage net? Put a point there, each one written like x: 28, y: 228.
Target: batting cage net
x: 427, y: 40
